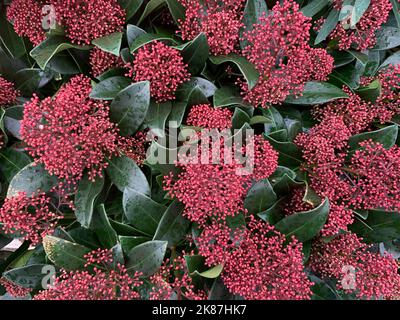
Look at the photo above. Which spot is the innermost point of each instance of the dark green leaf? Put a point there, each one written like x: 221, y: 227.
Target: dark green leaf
x: 12, y: 120
x: 109, y: 88
x: 130, y: 7
x: 4, y: 241
x: 194, y: 262
x: 133, y: 32
x: 361, y: 57
x: 387, y: 38
x: 151, y: 6
x: 156, y: 117
x: 146, y: 38
x: 219, y: 291
x: 239, y: 118
x: 305, y: 225
x: 322, y: 291
x: 103, y: 229
x: 289, y: 154
x: 110, y: 43
x: 31, y: 179
x: 283, y: 180
x: 64, y: 63
x: 314, y: 7
x: 328, y: 26
x: 380, y: 226
x: 177, y: 10
x: 360, y: 6
x: 142, y: 212
x: 259, y: 120
x: 129, y: 107
x: 85, y: 237
x: 371, y: 92
x: 177, y: 112
x: 12, y: 161
x: 276, y: 121
x: 342, y: 58
x: 147, y: 257
x: 293, y: 121
x: 260, y: 197
x: 347, y: 75
x: 196, y: 53
x: 246, y: 68
x: 30, y: 80
x: 204, y: 86
x: 29, y: 276
x: 84, y: 199
x: 173, y: 226
x: 124, y: 229
x: 50, y: 47
x: 317, y: 93
x: 227, y: 96
x: 273, y: 214
x: 10, y: 40
x: 394, y: 60
x: 129, y: 242
x: 124, y: 172
x: 9, y: 66
x: 253, y: 11
x: 65, y: 254
x: 386, y: 136
x: 396, y: 11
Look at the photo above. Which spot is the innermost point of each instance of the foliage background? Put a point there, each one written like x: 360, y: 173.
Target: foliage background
x: 127, y: 210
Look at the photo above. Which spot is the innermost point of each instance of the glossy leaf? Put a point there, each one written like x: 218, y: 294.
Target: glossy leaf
x: 246, y: 68
x: 84, y: 199
x: 65, y: 254
x: 253, y: 11
x: 305, y: 225
x: 130, y: 7
x: 110, y: 43
x: 380, y: 226
x: 387, y: 38
x: 124, y: 172
x: 313, y: 7
x: 328, y: 26
x: 177, y: 10
x: 157, y: 116
x: 30, y: 276
x: 132, y: 33
x: 360, y: 7
x: 260, y: 197
x: 196, y: 53
x: 227, y: 96
x: 109, y: 88
x: 12, y: 161
x: 129, y: 242
x: 147, y: 38
x: 371, y: 92
x: 130, y: 106
x: 147, y: 257
x: 11, y: 41
x: 103, y: 229
x: 386, y: 136
x: 239, y: 118
x: 50, y: 47
x: 172, y: 226
x: 317, y: 93
x: 141, y: 211
x: 30, y: 179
